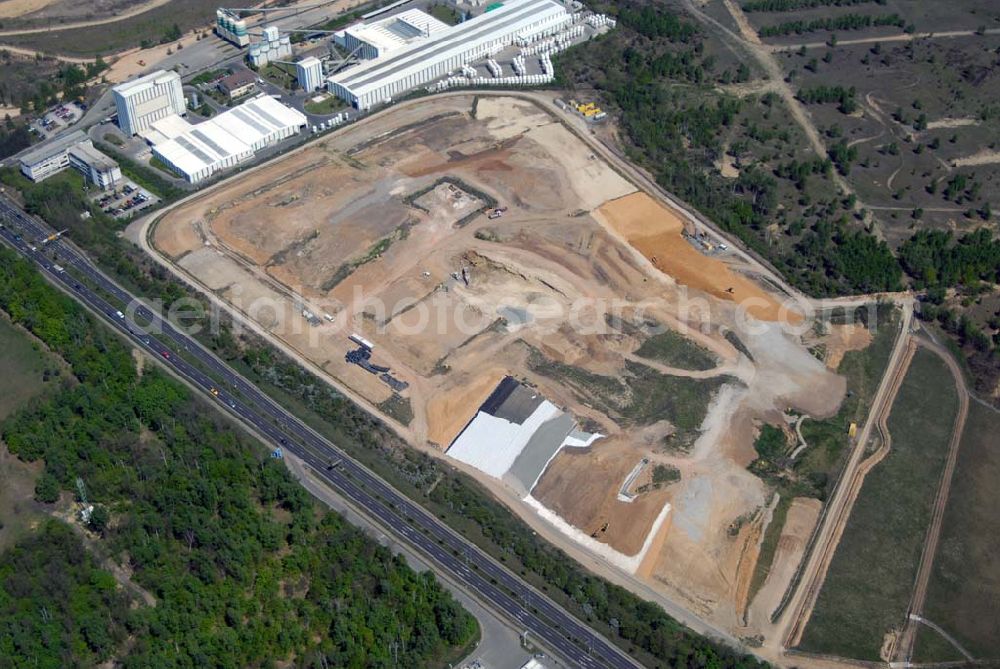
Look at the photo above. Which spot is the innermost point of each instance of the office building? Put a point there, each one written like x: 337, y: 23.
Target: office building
x: 238, y: 84
x: 96, y: 167
x: 147, y: 99
x: 50, y: 157
x: 73, y: 150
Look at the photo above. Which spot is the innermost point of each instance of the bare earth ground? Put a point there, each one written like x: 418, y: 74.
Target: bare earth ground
x: 656, y: 232
x: 844, y: 338
x: 360, y: 227
x: 802, y: 516
x: 63, y: 10
x: 14, y: 8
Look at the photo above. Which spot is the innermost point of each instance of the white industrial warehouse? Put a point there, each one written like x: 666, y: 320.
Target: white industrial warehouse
x: 515, y: 434
x: 442, y: 52
x: 382, y: 37
x: 196, y: 152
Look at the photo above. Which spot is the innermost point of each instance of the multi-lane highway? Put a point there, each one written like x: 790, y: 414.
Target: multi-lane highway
x: 547, y: 623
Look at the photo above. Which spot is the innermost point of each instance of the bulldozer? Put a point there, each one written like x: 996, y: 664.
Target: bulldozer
x: 601, y: 530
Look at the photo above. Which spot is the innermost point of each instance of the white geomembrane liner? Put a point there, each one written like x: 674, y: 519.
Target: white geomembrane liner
x: 491, y: 444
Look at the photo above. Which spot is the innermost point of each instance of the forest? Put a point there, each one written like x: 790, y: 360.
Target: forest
x: 238, y: 565
x: 57, y: 607
x: 34, y: 84
x: 14, y: 137
x: 935, y: 258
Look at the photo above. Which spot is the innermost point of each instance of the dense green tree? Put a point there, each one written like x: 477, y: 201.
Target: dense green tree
x: 832, y: 23
x: 47, y: 488
x: 937, y: 258
x: 57, y: 609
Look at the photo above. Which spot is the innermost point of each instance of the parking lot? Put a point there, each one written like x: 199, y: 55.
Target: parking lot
x: 57, y: 118
x: 126, y: 200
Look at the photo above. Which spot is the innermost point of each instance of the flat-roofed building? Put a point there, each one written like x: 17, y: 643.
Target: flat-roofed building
x: 147, y: 99
x: 96, y: 167
x: 73, y: 150
x: 420, y: 63
x: 382, y: 37
x: 309, y: 72
x: 196, y: 152
x: 50, y: 157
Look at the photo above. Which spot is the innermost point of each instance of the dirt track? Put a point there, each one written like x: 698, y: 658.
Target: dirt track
x: 791, y: 623
x: 904, y: 37
x: 904, y: 648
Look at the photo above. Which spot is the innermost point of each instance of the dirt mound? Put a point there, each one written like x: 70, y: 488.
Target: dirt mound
x: 449, y: 411
x: 581, y: 485
x: 657, y: 233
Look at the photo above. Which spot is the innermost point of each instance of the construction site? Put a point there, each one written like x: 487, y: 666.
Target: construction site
x: 472, y: 258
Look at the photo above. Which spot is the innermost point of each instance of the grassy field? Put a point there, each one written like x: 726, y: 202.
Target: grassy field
x: 676, y: 350
x: 149, y: 27
x: 964, y: 592
x: 327, y: 105
x: 445, y: 13
x: 868, y: 586
x: 932, y: 647
x: 22, y: 366
x: 815, y: 470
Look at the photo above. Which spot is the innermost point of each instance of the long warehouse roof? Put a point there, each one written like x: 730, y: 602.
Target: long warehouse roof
x: 234, y: 132
x: 464, y: 35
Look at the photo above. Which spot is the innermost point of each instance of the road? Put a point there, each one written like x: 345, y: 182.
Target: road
x: 904, y: 37
x: 493, y: 584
